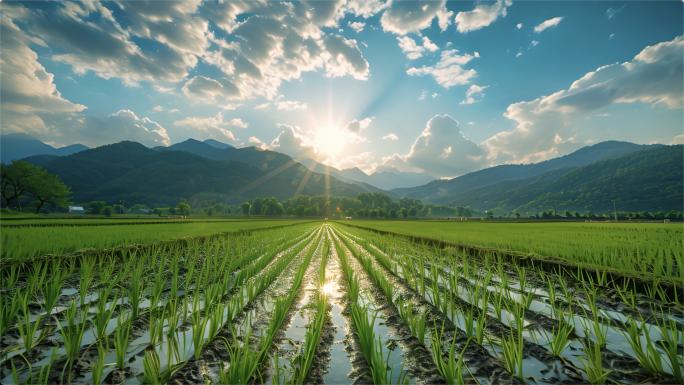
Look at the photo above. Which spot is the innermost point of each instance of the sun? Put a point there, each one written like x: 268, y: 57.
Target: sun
x: 331, y: 139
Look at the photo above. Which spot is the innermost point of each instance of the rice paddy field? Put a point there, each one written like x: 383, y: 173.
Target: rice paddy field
x: 329, y: 303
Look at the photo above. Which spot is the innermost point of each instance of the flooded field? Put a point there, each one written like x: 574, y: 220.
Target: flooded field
x: 330, y: 304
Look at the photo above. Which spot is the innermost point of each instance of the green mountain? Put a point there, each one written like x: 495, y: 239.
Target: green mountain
x: 18, y: 146
x: 132, y: 172
x: 645, y: 180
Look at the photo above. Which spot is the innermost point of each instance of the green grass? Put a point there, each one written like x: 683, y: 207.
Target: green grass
x: 29, y: 242
x: 649, y: 249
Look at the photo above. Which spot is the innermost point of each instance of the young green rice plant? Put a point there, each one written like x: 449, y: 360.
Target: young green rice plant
x: 419, y: 325
x: 243, y: 362
x: 593, y: 366
x: 87, y: 276
x: 558, y: 340
x: 321, y: 270
x: 670, y: 335
x: 313, y: 335
x: 481, y: 320
x: 27, y: 329
x: 36, y: 277
x: 53, y: 288
x: 99, y: 365
x: 9, y: 307
x: 136, y: 288
x: 598, y: 330
x: 10, y: 276
x: 628, y: 296
x: 452, y: 369
x: 199, y: 327
x: 157, y: 325
x: 103, y: 315
x: 121, y: 334
x: 522, y: 277
x: 499, y: 296
x: 73, y: 333
x: 151, y: 367
x: 468, y: 317
x: 512, y: 352
x: 364, y: 326
x: 645, y: 349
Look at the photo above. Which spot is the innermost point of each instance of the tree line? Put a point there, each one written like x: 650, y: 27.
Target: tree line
x: 22, y: 179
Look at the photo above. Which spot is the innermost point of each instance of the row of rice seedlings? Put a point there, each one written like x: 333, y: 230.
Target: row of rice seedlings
x: 352, y: 280
x: 42, y: 378
x: 312, y: 338
x: 372, y: 349
x: 452, y: 369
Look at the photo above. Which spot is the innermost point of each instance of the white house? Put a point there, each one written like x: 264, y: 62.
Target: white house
x: 76, y: 210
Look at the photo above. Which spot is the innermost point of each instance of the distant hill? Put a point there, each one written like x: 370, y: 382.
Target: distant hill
x: 440, y: 191
x: 132, y: 172
x: 18, y: 146
x: 339, y: 174
x: 217, y: 144
x: 644, y: 180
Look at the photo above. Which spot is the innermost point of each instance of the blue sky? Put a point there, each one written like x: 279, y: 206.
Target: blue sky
x: 437, y: 87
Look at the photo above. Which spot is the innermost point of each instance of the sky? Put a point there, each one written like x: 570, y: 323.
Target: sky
x: 443, y: 88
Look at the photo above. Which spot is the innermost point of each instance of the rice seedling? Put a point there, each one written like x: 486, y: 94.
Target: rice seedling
x: 135, y: 290
x: 10, y: 276
x: 598, y: 330
x: 52, y: 288
x: 644, y: 348
x: 558, y: 341
x: 103, y: 315
x: 452, y: 369
x: 592, y: 364
x: 512, y: 352
x: 121, y: 334
x: 670, y: 335
x: 72, y: 335
x: 9, y: 307
x: 151, y: 367
x: 28, y: 329
x: 86, y: 278
x: 99, y: 365
x: 313, y: 335
x: 418, y: 323
x: 243, y: 362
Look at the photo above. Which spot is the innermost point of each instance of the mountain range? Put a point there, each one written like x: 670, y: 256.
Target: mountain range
x: 637, y: 177
x: 19, y: 146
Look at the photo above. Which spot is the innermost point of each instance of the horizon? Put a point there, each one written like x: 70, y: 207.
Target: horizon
x: 442, y: 88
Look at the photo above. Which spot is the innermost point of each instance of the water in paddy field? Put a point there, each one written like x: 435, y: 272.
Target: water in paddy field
x: 338, y: 358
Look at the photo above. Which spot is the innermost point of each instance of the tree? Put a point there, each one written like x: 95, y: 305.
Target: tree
x: 210, y: 210
x: 245, y: 208
x: 374, y: 213
x: 172, y: 210
x: 568, y: 214
x: 17, y: 179
x: 183, y: 208
x: 577, y: 214
x: 96, y: 207
x: 300, y: 210
x: 393, y: 213
x: 413, y: 211
x: 490, y: 214
x: 108, y: 211
x: 290, y: 211
x: 47, y: 188
x: 517, y: 215
x: 467, y: 212
x: 403, y: 212
x: 257, y: 204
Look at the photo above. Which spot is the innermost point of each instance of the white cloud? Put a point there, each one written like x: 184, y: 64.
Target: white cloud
x: 435, y: 95
x: 356, y: 26
x: 391, y: 136
x: 457, y: 155
x: 355, y: 126
x: 472, y: 91
x: 518, y: 54
x: 614, y: 11
x: 653, y: 77
x: 231, y: 106
x: 548, y: 24
x: 423, y: 95
x: 403, y: 17
x: 482, y: 16
x: 448, y: 71
x: 366, y: 8
x: 203, y: 88
x: 343, y: 57
x: 166, y: 90
x: 679, y: 139
x: 290, y: 105
x: 257, y: 142
x: 413, y: 50
x: 534, y: 43
x: 174, y: 110
x: 471, y: 123
x: 293, y: 142
x: 611, y: 36
x: 519, y: 26
x: 158, y: 108
x: 362, y: 161
x: 262, y: 106
x: 31, y: 102
x: 216, y: 122
x: 604, y: 115
x: 430, y: 46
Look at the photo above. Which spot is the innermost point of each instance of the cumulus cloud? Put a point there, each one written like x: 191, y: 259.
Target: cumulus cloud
x: 290, y: 105
x: 158, y: 108
x: 435, y: 95
x: 448, y: 71
x: 362, y: 161
x: 355, y: 126
x: 203, y: 88
x: 423, y: 95
x: 293, y: 142
x: 440, y: 150
x: 356, y: 26
x: 403, y: 17
x: 472, y: 91
x: 679, y: 139
x: 518, y: 26
x: 653, y: 77
x: 413, y: 50
x: 214, y: 122
x: 482, y: 16
x: 231, y: 106
x: 174, y: 110
x: 534, y: 43
x: 31, y: 102
x: 366, y: 8
x: 262, y: 106
x: 548, y: 24
x: 391, y: 136
x: 253, y: 140
x: 344, y: 58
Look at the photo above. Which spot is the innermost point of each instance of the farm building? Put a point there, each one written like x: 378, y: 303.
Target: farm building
x: 76, y: 210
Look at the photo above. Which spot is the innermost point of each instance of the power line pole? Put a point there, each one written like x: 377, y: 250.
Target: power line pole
x: 615, y: 209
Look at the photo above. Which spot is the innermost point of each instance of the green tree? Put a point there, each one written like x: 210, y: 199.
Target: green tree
x: 413, y: 211
x: 517, y: 215
x: 183, y: 208
x: 16, y: 179
x: 290, y: 211
x: 374, y: 213
x: 210, y: 210
x: 403, y: 212
x: 467, y: 212
x: 300, y: 210
x: 245, y: 208
x: 96, y: 207
x: 393, y: 213
x: 568, y: 214
x: 577, y: 214
x: 47, y: 188
x: 108, y: 211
